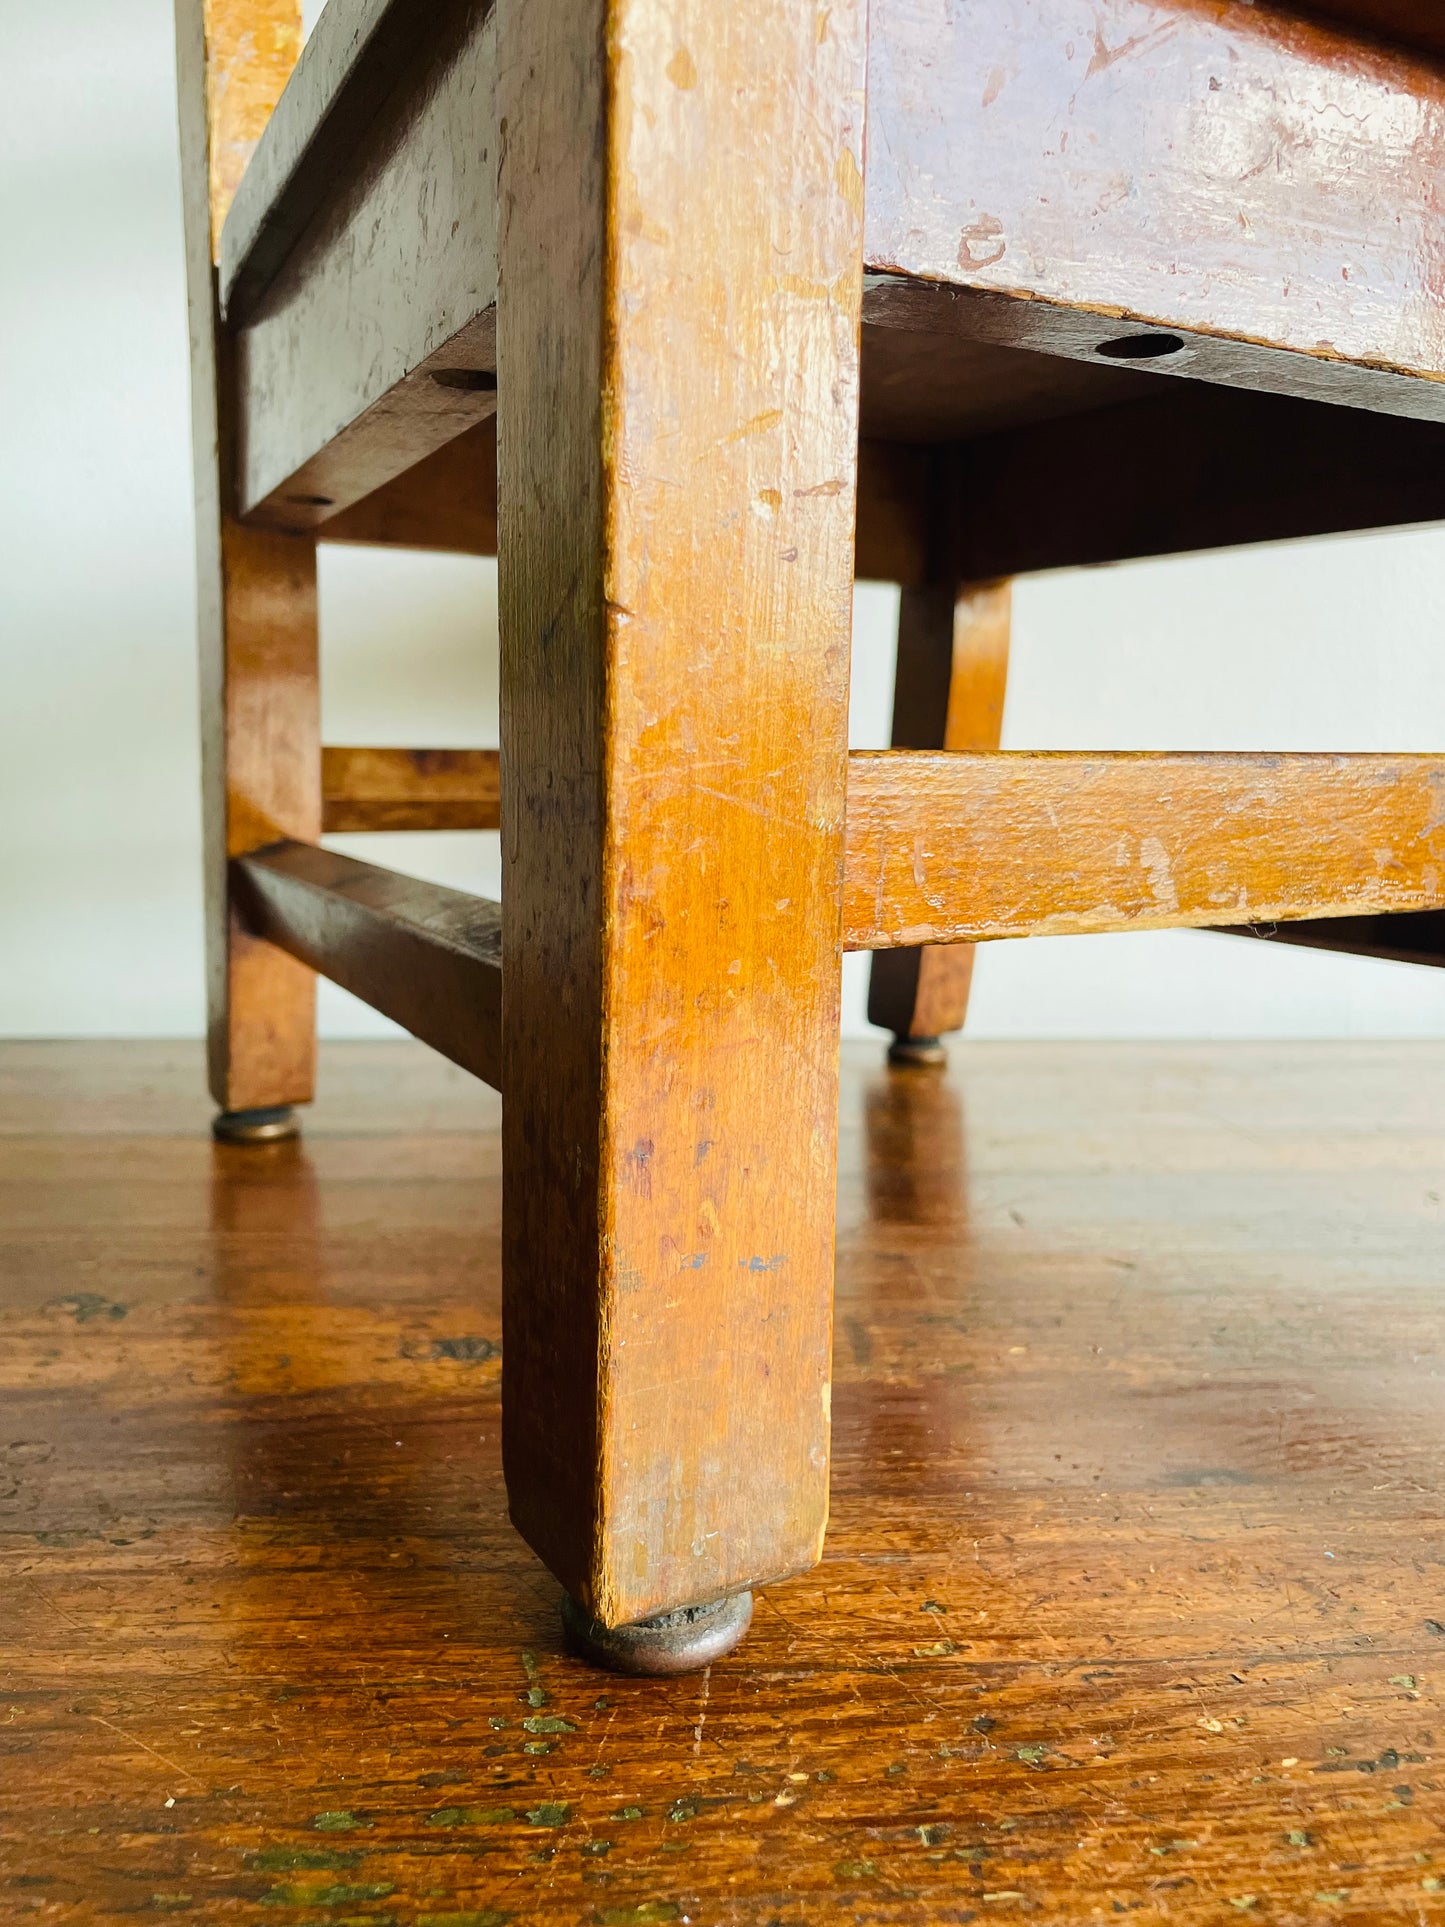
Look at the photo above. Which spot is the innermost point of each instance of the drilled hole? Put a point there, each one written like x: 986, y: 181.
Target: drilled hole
x: 1141, y: 347
x: 476, y: 381
x: 312, y: 501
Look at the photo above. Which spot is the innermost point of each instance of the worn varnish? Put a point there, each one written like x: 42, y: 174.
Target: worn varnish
x: 1197, y: 165
x: 1130, y: 1610
x: 943, y: 849
x: 677, y: 445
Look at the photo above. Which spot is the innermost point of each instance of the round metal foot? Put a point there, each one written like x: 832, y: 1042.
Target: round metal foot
x: 256, y: 1127
x: 917, y: 1050
x: 680, y: 1642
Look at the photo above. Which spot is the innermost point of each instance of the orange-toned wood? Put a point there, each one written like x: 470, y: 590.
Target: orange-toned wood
x: 948, y: 849
x: 260, y: 708
x: 948, y: 693
x: 1105, y: 168
x: 448, y: 501
x: 681, y: 261
x: 411, y: 789
x: 429, y: 957
x: 1129, y: 1602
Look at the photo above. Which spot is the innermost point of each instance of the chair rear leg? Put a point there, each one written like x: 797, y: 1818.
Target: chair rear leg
x: 948, y: 694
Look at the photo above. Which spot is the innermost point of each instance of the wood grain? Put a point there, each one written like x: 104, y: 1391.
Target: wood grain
x: 448, y: 501
x: 348, y: 66
x: 943, y: 849
x: 396, y: 265
x: 1136, y: 1479
x: 677, y: 445
x: 410, y: 789
x: 1198, y: 166
x: 428, y: 957
x: 948, y: 693
x: 260, y: 717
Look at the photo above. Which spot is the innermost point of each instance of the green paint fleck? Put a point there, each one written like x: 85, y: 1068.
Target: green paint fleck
x: 1032, y: 1755
x: 476, y: 1917
x: 933, y: 1606
x: 855, y: 1870
x: 601, y: 1705
x: 471, y: 1816
x: 1299, y: 1838
x: 1407, y: 1680
x: 83, y: 1306
x: 1175, y: 1846
x: 300, y: 1859
x: 1006, y: 1893
x: 934, y: 1835
x: 646, y: 1915
x: 338, y: 1822
x: 940, y: 1649
x: 551, y: 1814
x: 630, y: 1813
x: 896, y: 1771
x: 537, y: 1746
x: 1431, y: 1883
x: 1331, y: 1896
x: 687, y: 1808
x: 497, y: 1723
x: 529, y: 1666
x: 598, y: 1772
x: 1244, y: 1902
x: 301, y: 1896
x: 552, y: 1724
x: 597, y: 1846
x: 534, y: 1696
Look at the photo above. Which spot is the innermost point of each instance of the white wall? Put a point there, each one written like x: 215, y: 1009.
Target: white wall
x: 1332, y: 646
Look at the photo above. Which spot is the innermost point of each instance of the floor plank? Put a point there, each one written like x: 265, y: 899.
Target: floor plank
x: 1133, y: 1602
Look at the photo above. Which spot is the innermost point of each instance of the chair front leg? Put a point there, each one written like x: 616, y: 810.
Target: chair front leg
x: 680, y: 275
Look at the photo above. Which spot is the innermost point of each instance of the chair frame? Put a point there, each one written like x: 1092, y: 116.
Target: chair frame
x: 581, y: 282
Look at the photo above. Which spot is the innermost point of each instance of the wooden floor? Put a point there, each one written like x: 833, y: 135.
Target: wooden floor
x: 1134, y: 1602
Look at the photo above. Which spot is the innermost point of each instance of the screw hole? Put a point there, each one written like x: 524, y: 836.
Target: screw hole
x: 312, y: 501
x: 1141, y: 347
x: 476, y: 381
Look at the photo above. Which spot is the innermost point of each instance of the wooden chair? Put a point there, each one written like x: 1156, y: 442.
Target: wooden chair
x: 580, y: 283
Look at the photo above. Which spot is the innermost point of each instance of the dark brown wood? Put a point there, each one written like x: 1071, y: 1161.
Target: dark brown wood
x: 350, y: 64
x: 948, y: 693
x: 1415, y: 937
x: 411, y: 789
x: 949, y: 849
x: 260, y: 699
x: 677, y: 443
x: 1136, y: 1488
x: 1411, y: 23
x: 1198, y: 468
x: 1208, y: 169
x: 391, y: 285
x: 429, y: 957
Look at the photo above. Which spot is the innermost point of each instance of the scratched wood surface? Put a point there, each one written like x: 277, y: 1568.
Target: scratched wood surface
x: 677, y: 451
x: 944, y: 848
x: 1132, y: 1604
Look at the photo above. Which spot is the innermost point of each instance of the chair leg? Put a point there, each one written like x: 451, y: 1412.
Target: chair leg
x: 261, y: 759
x: 948, y: 694
x: 681, y: 258
x: 260, y: 714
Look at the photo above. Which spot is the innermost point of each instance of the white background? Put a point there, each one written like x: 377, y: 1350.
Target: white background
x: 1330, y: 646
